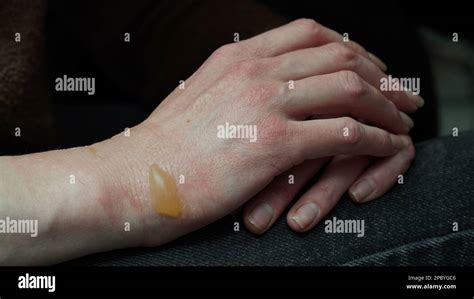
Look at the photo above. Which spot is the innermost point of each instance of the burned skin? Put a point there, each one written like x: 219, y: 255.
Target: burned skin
x: 163, y: 190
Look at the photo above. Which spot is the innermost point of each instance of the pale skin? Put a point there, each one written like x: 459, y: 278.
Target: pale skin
x: 299, y: 131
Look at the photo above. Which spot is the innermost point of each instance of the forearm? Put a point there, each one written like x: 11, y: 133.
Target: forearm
x: 75, y: 199
x: 97, y: 198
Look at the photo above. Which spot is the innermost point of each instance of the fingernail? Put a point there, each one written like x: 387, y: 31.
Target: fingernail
x: 305, y: 215
x: 261, y: 216
x: 406, y: 141
x: 407, y: 120
x: 419, y: 102
x: 397, y: 141
x: 362, y: 190
x: 378, y: 61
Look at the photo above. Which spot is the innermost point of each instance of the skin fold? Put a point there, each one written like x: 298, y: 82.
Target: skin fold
x: 300, y: 130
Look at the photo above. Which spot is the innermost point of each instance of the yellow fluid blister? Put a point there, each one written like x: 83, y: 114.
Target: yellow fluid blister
x: 164, y: 193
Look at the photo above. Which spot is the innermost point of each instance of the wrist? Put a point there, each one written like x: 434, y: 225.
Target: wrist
x: 133, y: 156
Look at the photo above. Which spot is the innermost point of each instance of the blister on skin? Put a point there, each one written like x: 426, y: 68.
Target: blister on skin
x: 164, y: 193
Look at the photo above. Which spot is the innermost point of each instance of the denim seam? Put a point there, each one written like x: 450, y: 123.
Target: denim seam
x: 447, y: 236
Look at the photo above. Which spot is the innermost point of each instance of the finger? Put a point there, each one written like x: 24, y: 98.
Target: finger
x: 321, y: 198
x: 263, y: 210
x: 381, y: 176
x: 375, y: 59
x: 335, y: 57
x: 318, y: 138
x: 345, y: 94
x: 299, y: 34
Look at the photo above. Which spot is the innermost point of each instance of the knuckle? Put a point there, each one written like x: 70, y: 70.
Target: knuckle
x: 277, y: 67
x: 353, y: 84
x: 309, y: 26
x: 385, y: 140
x: 247, y: 68
x: 358, y: 48
x: 257, y: 94
x: 290, y: 141
x: 348, y: 57
x: 325, y: 191
x: 350, y: 130
x: 225, y: 52
x: 274, y: 130
x: 307, y: 23
x: 278, y: 64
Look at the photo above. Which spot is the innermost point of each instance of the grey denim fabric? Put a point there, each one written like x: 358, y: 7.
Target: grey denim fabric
x: 410, y: 225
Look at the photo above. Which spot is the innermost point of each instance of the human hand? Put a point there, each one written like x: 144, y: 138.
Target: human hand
x: 343, y: 173
x: 249, y: 83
